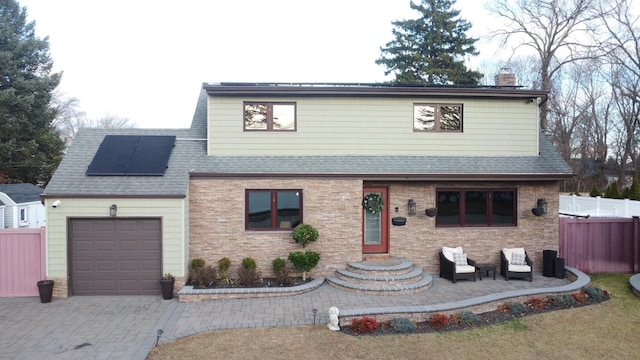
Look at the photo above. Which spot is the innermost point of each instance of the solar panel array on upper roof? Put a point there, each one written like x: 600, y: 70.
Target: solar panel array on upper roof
x: 132, y: 155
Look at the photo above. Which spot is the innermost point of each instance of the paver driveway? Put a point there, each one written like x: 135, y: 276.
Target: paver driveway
x: 80, y: 327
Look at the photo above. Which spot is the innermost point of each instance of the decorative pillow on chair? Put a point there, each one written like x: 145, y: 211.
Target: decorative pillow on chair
x: 518, y: 259
x: 460, y: 259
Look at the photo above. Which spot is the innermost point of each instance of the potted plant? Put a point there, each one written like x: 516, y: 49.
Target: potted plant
x: 166, y: 284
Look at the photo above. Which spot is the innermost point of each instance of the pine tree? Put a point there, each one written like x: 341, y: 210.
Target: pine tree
x: 30, y: 148
x: 431, y: 49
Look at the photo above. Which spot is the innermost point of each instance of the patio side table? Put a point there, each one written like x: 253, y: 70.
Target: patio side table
x: 486, y: 268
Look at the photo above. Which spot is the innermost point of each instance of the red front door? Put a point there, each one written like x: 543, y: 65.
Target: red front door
x: 375, y: 227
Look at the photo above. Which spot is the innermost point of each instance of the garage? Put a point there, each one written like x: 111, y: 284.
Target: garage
x: 115, y: 256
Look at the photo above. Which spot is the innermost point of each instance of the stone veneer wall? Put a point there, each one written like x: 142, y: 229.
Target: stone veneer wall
x: 420, y: 240
x: 333, y: 206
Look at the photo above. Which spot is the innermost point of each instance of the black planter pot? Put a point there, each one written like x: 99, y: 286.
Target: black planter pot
x: 431, y: 212
x: 399, y: 221
x: 45, y: 289
x: 167, y: 288
x: 537, y: 211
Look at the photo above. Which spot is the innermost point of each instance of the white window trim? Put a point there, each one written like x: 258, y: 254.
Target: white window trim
x: 23, y: 220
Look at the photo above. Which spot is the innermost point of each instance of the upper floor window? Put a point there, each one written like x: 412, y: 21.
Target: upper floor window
x: 273, y: 209
x: 477, y: 207
x: 437, y: 117
x: 269, y: 116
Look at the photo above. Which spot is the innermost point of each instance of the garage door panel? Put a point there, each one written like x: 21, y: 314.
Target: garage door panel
x: 128, y: 245
x: 150, y: 266
x: 128, y: 265
x: 108, y: 225
x: 106, y: 266
x: 115, y: 256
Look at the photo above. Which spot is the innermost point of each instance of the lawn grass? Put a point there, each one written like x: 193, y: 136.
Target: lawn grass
x: 607, y: 330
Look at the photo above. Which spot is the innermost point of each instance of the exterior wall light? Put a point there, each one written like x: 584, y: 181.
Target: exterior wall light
x: 411, y: 204
x: 541, y: 209
x: 113, y: 210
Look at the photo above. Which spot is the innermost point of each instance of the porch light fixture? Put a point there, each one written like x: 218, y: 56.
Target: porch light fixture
x: 412, y: 207
x: 113, y: 210
x: 541, y: 209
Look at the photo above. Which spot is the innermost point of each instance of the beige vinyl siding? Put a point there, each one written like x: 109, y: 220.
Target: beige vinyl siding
x: 173, y: 214
x: 377, y: 126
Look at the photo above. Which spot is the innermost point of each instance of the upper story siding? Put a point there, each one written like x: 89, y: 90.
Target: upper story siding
x: 367, y: 125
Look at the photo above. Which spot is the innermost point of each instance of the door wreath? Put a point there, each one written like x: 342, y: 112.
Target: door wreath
x: 373, y: 203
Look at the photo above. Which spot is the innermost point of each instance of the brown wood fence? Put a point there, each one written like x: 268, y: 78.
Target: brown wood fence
x: 610, y: 245
x: 22, y: 261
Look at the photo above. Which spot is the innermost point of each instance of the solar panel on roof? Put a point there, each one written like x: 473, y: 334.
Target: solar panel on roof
x: 132, y: 155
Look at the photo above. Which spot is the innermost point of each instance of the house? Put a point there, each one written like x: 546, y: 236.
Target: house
x: 261, y: 158
x: 22, y: 206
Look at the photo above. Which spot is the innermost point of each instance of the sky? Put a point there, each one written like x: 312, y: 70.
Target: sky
x: 146, y: 60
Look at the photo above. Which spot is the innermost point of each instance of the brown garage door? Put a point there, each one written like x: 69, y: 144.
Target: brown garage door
x: 115, y: 256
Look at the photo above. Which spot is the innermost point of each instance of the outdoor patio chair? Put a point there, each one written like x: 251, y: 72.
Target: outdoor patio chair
x: 455, y: 265
x: 515, y: 263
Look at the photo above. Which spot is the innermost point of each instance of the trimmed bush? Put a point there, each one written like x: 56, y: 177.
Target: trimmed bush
x: 438, y: 320
x: 594, y: 292
x: 224, y: 265
x: 517, y: 308
x: 304, y: 261
x: 281, y: 272
x: 467, y: 318
x: 248, y: 274
x: 197, y: 264
x: 304, y: 234
x: 403, y: 325
x: 364, y: 325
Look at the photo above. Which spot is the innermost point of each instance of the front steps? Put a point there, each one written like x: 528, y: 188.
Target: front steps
x: 382, y: 276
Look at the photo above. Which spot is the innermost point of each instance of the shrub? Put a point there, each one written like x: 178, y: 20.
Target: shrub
x: 204, y: 277
x: 403, y: 325
x: 224, y: 265
x: 248, y: 274
x: 594, y: 292
x: 197, y: 264
x: 467, y: 318
x: 364, y: 325
x: 249, y: 263
x: 563, y: 301
x: 304, y: 261
x: 303, y: 234
x: 517, y: 308
x: 580, y: 297
x: 538, y: 303
x: 279, y: 267
x: 439, y: 320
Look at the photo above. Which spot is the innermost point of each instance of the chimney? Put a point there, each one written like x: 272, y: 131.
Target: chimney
x: 505, y: 78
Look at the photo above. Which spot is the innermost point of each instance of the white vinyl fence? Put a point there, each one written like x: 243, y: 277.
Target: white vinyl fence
x: 598, y: 207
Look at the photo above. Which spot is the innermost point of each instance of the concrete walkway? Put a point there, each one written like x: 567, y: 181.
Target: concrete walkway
x: 126, y: 327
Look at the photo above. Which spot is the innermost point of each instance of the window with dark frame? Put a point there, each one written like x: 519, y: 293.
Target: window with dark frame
x: 477, y: 207
x: 437, y: 117
x: 269, y: 116
x: 269, y: 210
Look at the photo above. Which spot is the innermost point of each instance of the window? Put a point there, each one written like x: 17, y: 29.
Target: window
x: 24, y: 216
x: 273, y: 209
x: 437, y: 117
x: 477, y: 207
x: 269, y: 116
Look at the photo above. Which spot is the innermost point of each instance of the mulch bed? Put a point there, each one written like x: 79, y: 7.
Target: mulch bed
x: 460, y: 322
x: 266, y: 283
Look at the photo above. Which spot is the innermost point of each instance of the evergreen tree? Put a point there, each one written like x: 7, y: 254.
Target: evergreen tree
x: 431, y: 49
x: 595, y: 191
x: 30, y: 147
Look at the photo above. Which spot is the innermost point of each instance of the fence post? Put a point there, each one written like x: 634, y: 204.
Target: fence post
x: 636, y: 244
